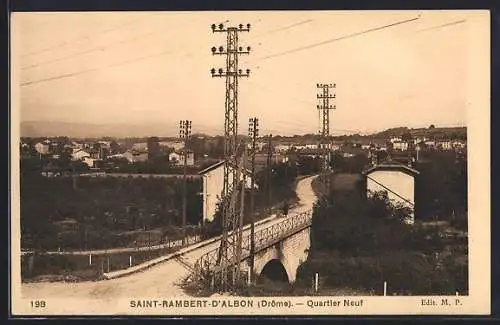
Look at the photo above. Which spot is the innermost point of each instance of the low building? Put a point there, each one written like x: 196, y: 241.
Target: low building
x: 79, y: 154
x: 177, y: 158
x: 400, y: 145
x: 176, y: 145
x: 135, y: 156
x: 42, y: 148
x: 213, y: 181
x: 445, y: 145
x: 397, y: 180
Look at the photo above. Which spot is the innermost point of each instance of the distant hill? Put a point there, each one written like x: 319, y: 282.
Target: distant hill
x: 36, y: 129
x: 87, y: 130
x: 437, y: 132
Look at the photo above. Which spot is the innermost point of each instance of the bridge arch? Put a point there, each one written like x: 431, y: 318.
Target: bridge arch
x: 274, y: 270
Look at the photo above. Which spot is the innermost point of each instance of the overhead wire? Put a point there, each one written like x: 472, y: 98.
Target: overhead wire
x: 310, y: 46
x: 73, y: 74
x: 86, y: 37
x: 441, y: 26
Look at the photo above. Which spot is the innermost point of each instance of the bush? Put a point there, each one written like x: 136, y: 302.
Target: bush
x: 406, y: 272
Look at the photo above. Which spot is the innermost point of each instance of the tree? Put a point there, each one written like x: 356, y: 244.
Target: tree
x: 406, y: 136
x: 432, y: 126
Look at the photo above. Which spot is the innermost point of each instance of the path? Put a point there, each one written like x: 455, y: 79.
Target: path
x: 158, y: 281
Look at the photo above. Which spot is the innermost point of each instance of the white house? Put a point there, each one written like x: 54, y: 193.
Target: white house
x: 445, y: 145
x: 178, y: 158
x: 213, y: 181
x: 42, y: 148
x: 89, y: 161
x: 397, y: 180
x: 395, y: 139
x: 282, y: 147
x: 79, y: 154
x: 400, y: 145
x: 134, y: 157
x: 176, y: 145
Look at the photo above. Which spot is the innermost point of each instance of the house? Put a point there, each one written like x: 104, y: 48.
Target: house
x: 400, y: 145
x: 348, y: 155
x: 282, y: 147
x: 459, y: 144
x: 77, y: 145
x: 135, y: 156
x: 79, y: 154
x: 397, y: 179
x: 444, y: 145
x: 89, y: 161
x: 395, y: 139
x: 42, y: 148
x: 176, y: 145
x: 140, y: 146
x: 177, y: 158
x: 213, y: 181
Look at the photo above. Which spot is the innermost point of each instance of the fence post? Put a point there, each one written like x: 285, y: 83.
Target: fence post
x: 130, y: 261
x: 385, y: 288
x: 316, y: 282
x: 108, y: 264
x: 90, y: 259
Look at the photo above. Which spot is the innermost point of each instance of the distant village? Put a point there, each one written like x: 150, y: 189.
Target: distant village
x: 117, y: 155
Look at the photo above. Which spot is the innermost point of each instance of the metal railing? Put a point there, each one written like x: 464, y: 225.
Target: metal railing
x: 206, y: 266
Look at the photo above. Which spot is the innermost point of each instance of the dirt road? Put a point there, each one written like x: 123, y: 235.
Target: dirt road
x: 159, y: 281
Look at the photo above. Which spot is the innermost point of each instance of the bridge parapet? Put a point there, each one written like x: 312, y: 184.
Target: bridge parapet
x: 207, y: 265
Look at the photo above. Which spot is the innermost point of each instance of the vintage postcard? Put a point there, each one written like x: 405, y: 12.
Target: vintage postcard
x: 250, y: 163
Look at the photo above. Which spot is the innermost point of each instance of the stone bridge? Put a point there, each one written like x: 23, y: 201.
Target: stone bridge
x: 279, y: 250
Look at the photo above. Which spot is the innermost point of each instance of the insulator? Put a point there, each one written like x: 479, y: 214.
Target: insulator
x: 213, y: 26
x: 220, y: 71
x: 239, y: 71
x: 240, y: 49
x: 212, y: 71
x: 221, y: 49
x: 248, y: 26
x: 248, y: 48
x: 221, y: 26
x: 248, y: 71
x: 241, y: 26
x: 214, y: 49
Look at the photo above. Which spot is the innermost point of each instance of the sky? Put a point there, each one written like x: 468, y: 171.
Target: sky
x: 391, y: 68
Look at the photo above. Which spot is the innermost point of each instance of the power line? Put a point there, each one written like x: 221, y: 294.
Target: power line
x: 441, y: 26
x: 86, y: 37
x: 281, y: 29
x: 92, y: 50
x: 307, y: 47
x: 73, y: 74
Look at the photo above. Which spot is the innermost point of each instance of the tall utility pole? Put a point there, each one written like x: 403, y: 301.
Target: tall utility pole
x: 324, y: 96
x: 268, y: 170
x: 253, y: 133
x: 184, y: 134
x: 229, y: 245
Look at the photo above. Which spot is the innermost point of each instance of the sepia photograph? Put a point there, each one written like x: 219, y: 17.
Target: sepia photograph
x: 250, y: 163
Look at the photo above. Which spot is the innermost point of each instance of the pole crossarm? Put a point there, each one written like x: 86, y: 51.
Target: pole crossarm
x: 325, y: 108
x: 230, y: 246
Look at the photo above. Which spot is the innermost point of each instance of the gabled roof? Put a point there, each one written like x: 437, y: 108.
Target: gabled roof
x: 210, y: 168
x: 392, y: 166
x: 216, y: 165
